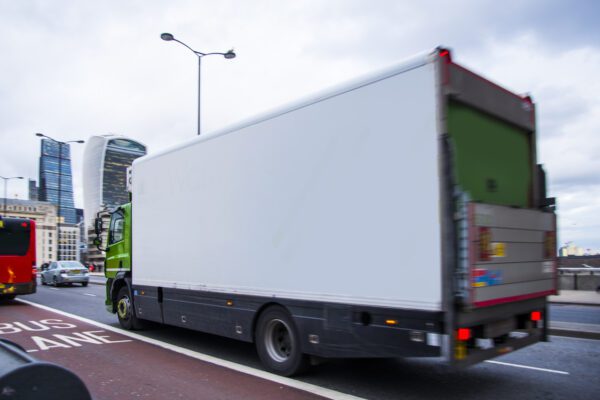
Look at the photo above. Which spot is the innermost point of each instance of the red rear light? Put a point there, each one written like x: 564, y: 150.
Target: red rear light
x: 24, y: 224
x: 463, y: 334
x: 485, y: 244
x: 445, y: 54
x: 536, y: 316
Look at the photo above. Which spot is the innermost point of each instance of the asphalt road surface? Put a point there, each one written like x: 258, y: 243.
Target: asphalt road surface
x: 575, y: 313
x: 564, y: 368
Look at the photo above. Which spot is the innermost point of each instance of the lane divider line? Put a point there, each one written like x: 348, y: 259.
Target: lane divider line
x: 307, y: 387
x: 89, y: 294
x: 527, y: 367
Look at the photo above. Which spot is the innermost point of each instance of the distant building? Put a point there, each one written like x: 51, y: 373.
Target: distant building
x: 570, y: 249
x: 44, y: 215
x: 33, y: 190
x: 52, y: 155
x: 106, y: 159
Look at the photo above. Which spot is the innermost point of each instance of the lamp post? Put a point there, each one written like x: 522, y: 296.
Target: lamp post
x: 228, y: 55
x: 60, y: 144
x: 6, y: 179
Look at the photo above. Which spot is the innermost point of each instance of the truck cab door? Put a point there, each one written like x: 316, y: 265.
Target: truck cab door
x: 117, y: 249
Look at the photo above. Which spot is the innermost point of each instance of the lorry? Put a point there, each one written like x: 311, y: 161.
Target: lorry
x: 403, y: 214
x: 18, y: 272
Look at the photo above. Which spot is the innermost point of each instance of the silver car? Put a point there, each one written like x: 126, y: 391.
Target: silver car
x: 61, y: 272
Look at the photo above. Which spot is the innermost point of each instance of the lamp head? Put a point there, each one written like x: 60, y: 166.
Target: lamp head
x: 166, y: 36
x: 229, y: 55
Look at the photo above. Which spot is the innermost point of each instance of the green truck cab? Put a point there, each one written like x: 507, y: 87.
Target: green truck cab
x: 117, y: 265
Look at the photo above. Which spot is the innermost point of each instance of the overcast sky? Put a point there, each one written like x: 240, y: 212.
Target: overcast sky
x: 72, y: 69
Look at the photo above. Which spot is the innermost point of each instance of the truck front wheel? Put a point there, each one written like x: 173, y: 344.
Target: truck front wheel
x: 278, y: 343
x: 125, y: 311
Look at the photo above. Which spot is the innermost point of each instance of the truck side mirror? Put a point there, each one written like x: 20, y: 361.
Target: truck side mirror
x: 98, y: 226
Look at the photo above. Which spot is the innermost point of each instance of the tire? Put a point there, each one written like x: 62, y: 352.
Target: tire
x: 7, y: 297
x: 125, y: 311
x: 278, y: 343
x: 84, y: 284
x: 43, y: 280
x: 54, y: 281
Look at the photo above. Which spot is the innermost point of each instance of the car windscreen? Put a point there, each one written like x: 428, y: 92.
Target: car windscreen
x: 71, y: 265
x: 14, y: 237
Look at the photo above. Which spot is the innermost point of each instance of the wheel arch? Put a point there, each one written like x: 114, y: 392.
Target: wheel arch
x: 261, y: 310
x: 120, y: 280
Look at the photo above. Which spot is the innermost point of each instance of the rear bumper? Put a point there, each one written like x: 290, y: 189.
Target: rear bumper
x: 17, y: 288
x: 73, y: 279
x: 499, y: 330
x: 465, y: 356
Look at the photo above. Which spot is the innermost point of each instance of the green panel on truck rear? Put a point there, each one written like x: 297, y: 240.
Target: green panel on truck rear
x: 491, y: 157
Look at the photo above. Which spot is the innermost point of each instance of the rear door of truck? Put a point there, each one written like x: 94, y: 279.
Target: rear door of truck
x: 509, y: 241
x: 503, y: 244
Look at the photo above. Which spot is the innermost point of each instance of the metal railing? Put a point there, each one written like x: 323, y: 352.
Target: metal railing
x: 577, y: 270
x: 580, y: 278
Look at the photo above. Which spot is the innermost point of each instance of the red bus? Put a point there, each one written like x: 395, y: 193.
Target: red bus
x: 17, y: 257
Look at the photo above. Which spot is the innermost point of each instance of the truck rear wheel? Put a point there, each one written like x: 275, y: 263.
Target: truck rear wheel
x: 278, y: 343
x: 125, y: 311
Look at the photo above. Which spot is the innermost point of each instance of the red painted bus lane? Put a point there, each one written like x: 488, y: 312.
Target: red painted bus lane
x: 115, y: 366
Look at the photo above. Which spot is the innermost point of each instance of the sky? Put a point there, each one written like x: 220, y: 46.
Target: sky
x: 73, y: 69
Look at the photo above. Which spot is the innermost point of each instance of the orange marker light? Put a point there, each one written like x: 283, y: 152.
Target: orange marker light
x: 391, y: 322
x: 463, y: 334
x: 536, y: 316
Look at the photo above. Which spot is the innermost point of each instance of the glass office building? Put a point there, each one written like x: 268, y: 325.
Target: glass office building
x: 54, y: 156
x: 105, y: 162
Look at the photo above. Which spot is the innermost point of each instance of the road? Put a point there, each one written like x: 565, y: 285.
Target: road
x: 563, y: 368
x: 575, y: 313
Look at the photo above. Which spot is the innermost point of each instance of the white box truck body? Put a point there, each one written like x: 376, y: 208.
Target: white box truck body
x: 392, y: 216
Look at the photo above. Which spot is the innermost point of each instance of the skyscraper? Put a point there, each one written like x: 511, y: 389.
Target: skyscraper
x: 105, y: 162
x: 52, y: 155
x: 33, y: 190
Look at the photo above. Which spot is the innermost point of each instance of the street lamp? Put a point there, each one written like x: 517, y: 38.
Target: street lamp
x: 60, y: 144
x: 228, y: 55
x: 6, y: 179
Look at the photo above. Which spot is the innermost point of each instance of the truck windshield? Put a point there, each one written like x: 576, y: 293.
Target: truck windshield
x: 14, y: 238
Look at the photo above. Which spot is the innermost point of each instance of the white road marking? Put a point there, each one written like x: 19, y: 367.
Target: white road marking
x: 89, y: 294
x: 307, y: 387
x: 53, y: 288
x: 528, y: 367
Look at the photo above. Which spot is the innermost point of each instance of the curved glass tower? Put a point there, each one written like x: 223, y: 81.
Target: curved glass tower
x: 105, y: 162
